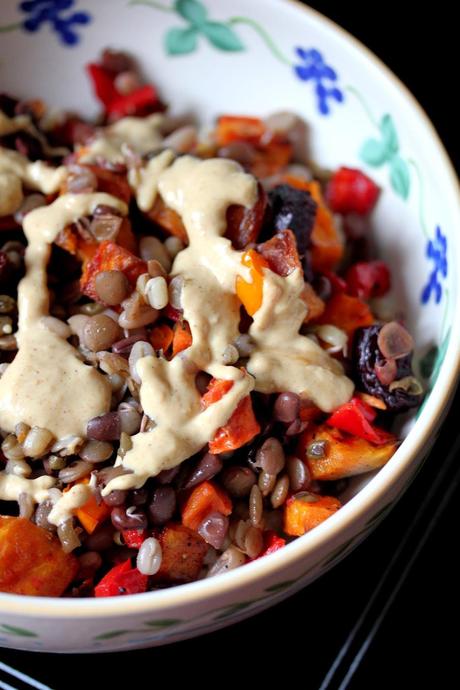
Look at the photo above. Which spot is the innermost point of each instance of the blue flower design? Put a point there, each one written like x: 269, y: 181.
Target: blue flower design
x: 313, y: 68
x: 42, y: 11
x: 436, y: 250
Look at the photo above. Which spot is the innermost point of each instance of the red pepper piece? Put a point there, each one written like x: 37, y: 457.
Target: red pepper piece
x: 272, y: 543
x: 102, y: 84
x: 120, y: 580
x: 133, y: 538
x: 135, y: 102
x: 368, y: 279
x: 351, y: 191
x: 355, y: 418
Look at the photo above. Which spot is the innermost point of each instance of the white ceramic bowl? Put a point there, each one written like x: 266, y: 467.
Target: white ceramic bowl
x: 257, y: 57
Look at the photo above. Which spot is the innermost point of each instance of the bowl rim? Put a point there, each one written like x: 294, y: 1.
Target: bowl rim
x: 387, y: 477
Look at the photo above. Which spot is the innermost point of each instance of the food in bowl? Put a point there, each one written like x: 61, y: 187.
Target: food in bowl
x: 192, y: 360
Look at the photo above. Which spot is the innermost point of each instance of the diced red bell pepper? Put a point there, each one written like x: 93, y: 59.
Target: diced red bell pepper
x: 138, y: 101
x: 355, y: 418
x: 103, y: 84
x: 133, y: 538
x: 141, y: 100
x: 120, y: 580
x: 272, y: 543
x: 351, y: 191
x: 368, y: 279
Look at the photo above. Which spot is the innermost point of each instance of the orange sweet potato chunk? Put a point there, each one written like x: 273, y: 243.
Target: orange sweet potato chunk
x: 305, y: 511
x: 344, y: 455
x: 183, y: 553
x: 32, y: 561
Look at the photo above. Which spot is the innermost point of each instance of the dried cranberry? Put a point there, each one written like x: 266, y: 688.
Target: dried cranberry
x: 366, y: 356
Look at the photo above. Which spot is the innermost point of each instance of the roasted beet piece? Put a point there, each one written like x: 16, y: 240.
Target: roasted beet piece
x: 294, y: 209
x: 366, y: 355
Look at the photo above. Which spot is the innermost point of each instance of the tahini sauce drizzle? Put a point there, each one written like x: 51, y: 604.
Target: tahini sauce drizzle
x: 137, y: 134
x: 47, y: 385
x: 201, y: 191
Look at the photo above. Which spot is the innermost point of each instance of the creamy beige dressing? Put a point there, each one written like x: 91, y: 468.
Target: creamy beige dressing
x: 144, y: 180
x: 11, y: 195
x: 137, y: 134
x: 200, y: 192
x: 11, y: 486
x: 68, y: 502
x: 283, y: 360
x: 37, y: 175
x: 10, y: 125
x: 47, y: 384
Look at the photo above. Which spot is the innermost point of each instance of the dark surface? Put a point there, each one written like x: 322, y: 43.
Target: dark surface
x: 302, y: 636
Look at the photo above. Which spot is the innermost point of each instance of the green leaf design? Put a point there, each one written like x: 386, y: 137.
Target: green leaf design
x: 374, y: 152
x: 14, y: 630
x: 400, y: 176
x: 234, y: 608
x: 192, y: 10
x: 221, y: 36
x: 280, y: 586
x: 112, y: 634
x: 164, y: 623
x: 440, y: 358
x: 389, y: 134
x: 181, y: 41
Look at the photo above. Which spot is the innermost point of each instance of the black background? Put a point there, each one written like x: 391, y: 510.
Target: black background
x: 299, y: 639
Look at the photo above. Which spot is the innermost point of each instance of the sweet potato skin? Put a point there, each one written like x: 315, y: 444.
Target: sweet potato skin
x: 345, y: 455
x: 32, y: 561
x: 183, y: 553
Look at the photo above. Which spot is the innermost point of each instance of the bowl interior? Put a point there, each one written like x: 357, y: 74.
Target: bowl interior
x: 214, y: 57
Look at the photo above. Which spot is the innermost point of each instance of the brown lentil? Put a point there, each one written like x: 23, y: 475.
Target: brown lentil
x: 270, y: 456
x: 286, y: 407
x: 298, y: 473
x: 106, y: 427
x: 280, y: 492
x: 96, y: 451
x: 256, y: 506
x: 76, y: 470
x: 100, y: 332
x: 253, y: 542
x: 125, y: 518
x: 115, y: 498
x: 163, y: 505
x: 266, y: 482
x: 238, y: 480
x: 112, y: 287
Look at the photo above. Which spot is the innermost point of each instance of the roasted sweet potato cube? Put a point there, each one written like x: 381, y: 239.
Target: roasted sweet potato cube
x: 305, y: 511
x: 183, y: 554
x: 32, y: 561
x: 110, y: 257
x: 344, y: 455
